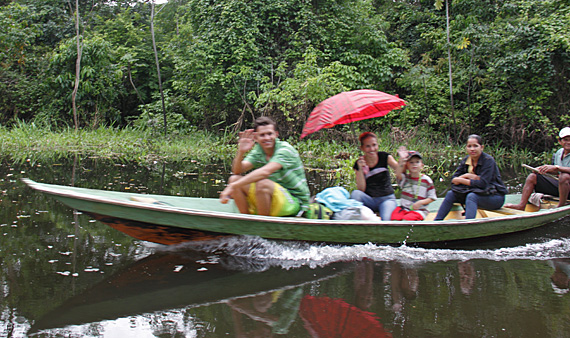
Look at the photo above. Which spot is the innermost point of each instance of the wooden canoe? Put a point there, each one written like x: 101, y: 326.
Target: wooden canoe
x: 174, y: 219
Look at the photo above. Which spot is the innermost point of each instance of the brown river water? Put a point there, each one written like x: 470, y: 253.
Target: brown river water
x: 65, y: 274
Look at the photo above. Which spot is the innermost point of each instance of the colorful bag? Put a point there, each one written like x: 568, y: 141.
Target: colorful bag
x: 401, y: 214
x: 318, y: 211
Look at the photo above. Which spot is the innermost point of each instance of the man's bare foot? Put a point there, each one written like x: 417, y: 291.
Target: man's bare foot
x: 515, y: 206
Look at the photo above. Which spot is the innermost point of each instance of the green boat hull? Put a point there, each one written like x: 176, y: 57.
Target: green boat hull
x: 210, y: 216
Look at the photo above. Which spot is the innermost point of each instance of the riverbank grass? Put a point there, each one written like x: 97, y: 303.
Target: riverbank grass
x: 26, y: 142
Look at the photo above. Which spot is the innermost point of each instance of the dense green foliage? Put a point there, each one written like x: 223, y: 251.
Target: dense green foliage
x: 225, y: 62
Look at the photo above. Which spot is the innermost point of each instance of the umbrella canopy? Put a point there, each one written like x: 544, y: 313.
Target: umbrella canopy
x: 335, y: 318
x: 351, y: 106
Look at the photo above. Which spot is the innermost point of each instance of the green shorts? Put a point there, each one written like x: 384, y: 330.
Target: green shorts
x: 282, y: 202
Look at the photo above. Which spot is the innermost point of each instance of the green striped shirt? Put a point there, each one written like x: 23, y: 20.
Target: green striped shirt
x: 292, y: 173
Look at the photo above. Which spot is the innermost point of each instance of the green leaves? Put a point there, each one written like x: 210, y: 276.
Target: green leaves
x: 100, y: 78
x: 508, y: 60
x: 17, y: 34
x: 230, y: 61
x: 280, y: 58
x: 296, y: 96
x: 438, y: 4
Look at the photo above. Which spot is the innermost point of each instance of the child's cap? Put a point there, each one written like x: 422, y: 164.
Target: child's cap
x: 413, y: 153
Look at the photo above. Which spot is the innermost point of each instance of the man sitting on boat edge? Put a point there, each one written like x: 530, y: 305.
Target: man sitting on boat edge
x: 548, y: 185
x: 277, y: 186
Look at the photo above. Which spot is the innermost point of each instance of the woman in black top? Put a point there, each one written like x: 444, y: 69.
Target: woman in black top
x: 476, y: 183
x: 373, y: 177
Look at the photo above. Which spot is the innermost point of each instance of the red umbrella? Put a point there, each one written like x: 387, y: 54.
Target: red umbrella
x: 351, y: 106
x: 335, y: 318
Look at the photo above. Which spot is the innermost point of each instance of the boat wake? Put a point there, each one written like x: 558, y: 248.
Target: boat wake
x: 548, y: 242
x: 266, y: 253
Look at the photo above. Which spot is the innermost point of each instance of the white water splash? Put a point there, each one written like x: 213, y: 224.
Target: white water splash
x: 294, y: 254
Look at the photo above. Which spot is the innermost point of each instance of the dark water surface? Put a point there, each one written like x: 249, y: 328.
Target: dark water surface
x: 66, y: 275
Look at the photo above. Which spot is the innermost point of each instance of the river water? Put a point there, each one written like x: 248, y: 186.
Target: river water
x: 67, y: 275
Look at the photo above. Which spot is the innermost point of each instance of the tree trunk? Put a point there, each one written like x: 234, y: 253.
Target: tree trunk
x: 450, y: 73
x: 157, y: 65
x: 77, y: 67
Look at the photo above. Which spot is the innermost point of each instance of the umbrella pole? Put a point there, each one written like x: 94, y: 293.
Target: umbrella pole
x: 355, y: 137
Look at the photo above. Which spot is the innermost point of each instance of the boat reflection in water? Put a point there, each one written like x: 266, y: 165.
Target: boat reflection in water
x: 266, y: 293
x: 155, y: 233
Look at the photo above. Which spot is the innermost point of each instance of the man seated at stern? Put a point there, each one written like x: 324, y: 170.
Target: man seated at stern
x: 541, y: 183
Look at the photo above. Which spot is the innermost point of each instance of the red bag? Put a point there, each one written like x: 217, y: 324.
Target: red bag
x: 401, y: 214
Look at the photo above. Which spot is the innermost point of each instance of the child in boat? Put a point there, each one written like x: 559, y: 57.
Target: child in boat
x: 417, y: 189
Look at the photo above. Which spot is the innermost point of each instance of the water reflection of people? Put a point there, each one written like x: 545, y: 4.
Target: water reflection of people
x: 363, y: 284
x: 466, y: 277
x: 404, y: 281
x: 561, y: 276
x: 272, y: 312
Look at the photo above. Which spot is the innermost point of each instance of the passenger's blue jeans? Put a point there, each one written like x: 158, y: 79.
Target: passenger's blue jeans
x: 384, y: 205
x: 472, y: 202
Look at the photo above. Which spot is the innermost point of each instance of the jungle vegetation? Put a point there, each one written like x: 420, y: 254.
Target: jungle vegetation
x: 499, y: 68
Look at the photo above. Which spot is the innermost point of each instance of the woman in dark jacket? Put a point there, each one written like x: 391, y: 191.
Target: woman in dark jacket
x: 476, y: 183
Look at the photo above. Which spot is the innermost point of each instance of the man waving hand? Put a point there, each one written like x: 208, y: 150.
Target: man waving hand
x: 277, y: 185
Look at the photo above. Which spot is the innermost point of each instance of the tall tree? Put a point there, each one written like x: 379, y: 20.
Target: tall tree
x: 439, y: 5
x: 157, y: 66
x: 79, y: 45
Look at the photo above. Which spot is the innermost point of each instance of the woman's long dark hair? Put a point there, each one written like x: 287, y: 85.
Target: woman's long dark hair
x: 477, y: 137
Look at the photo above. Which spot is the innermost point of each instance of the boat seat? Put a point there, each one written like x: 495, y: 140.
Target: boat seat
x: 503, y: 211
x: 147, y: 200
x: 457, y: 210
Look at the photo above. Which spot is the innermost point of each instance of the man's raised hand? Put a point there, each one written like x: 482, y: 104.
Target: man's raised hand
x: 246, y: 141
